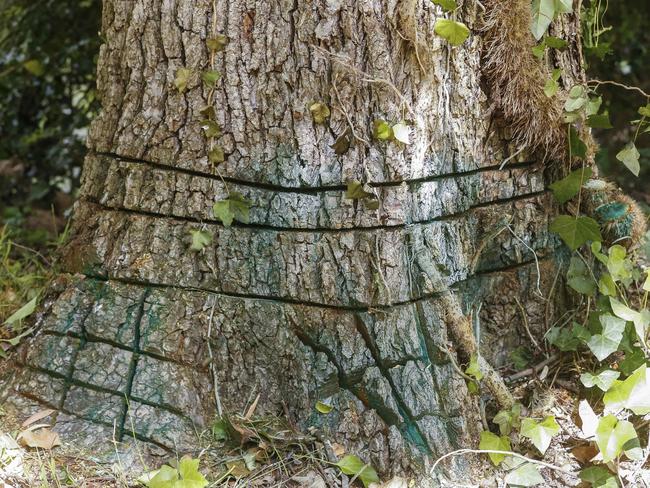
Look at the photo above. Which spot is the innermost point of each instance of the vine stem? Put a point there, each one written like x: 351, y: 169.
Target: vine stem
x: 597, y: 83
x: 507, y: 453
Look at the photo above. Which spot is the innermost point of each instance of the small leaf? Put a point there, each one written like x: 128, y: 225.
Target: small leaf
x: 210, y: 128
x: 216, y: 155
x: 629, y: 156
x: 402, y: 133
x: 589, y: 419
x: 579, y: 278
x: 355, y: 191
x: 556, y: 42
x: 454, y: 32
x: 563, y: 6
x: 576, y: 100
x: 447, y: 5
x: 645, y: 111
x: 190, y: 475
x: 599, y: 477
x: 492, y: 442
x: 568, y: 187
x: 508, y: 419
x: 324, y: 408
x: 605, y: 343
x: 593, y: 105
x: 540, y: 433
x: 551, y: 87
x: 473, y: 368
x: 210, y: 77
x: 538, y: 50
x: 42, y: 438
x: 353, y: 466
x: 35, y: 67
x: 208, y: 112
x: 200, y: 239
x: 23, y: 312
x: 575, y: 231
x: 217, y: 43
x: 182, y: 78
x: 577, y: 147
x: 235, y: 207
x: 381, y: 130
x: 603, y: 380
x: 599, y: 121
x: 611, y: 435
x: 342, y: 143
x: 633, y: 393
x: 525, y: 475
x: 543, y: 13
x: 319, y: 112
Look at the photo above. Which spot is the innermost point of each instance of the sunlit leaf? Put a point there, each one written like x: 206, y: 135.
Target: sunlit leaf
x: 454, y: 32
x: 611, y: 435
x: 605, y: 343
x: 200, y: 239
x: 182, y: 78
x: 319, y: 112
x: 447, y: 5
x: 632, y: 393
x: 603, y: 380
x: 543, y: 13
x: 525, y: 475
x: 629, y: 156
x: 353, y: 466
x: 540, y: 433
x: 235, y: 207
x: 493, y: 442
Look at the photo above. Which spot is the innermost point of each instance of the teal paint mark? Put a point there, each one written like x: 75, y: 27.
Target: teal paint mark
x: 612, y: 211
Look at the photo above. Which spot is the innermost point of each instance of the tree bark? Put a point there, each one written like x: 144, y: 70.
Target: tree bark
x: 317, y: 298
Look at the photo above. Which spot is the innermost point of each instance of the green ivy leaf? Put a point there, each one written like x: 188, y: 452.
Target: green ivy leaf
x: 35, y: 67
x: 575, y: 231
x: 520, y: 358
x: 200, y: 239
x: 634, y: 359
x: 611, y: 435
x: 641, y: 320
x: 381, y: 130
x: 493, y: 442
x: 645, y: 111
x: 210, y: 128
x: 319, y: 112
x: 182, y: 78
x: 633, y: 393
x: 538, y: 50
x: 454, y: 32
x: 353, y: 466
x: 606, y: 285
x: 208, y: 112
x: 577, y: 99
x: 217, y: 43
x: 593, y: 105
x: 216, y: 155
x: 447, y: 5
x: 525, y: 475
x: 599, y: 121
x: 165, y: 477
x: 563, y: 6
x: 603, y: 380
x: 210, y: 77
x: 617, y: 264
x: 556, y: 42
x: 543, y: 13
x: 599, y: 477
x: 355, y: 191
x: 567, y: 188
x: 579, y: 278
x: 473, y: 368
x: 577, y: 147
x: 235, y: 207
x: 190, y: 475
x: 605, y: 343
x: 540, y: 433
x: 342, y: 143
x: 508, y: 419
x: 629, y: 156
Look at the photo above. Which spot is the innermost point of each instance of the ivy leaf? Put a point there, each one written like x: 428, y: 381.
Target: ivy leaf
x: 210, y: 128
x: 210, y: 77
x: 217, y: 43
x: 182, y: 78
x: 551, y: 87
x: 165, y: 477
x: 342, y: 143
x: 353, y: 466
x: 235, y: 207
x: 200, y: 239
x: 568, y: 187
x: 190, y: 474
x: 355, y: 191
x: 579, y: 278
x: 641, y: 320
x: 447, y: 5
x: 588, y: 418
x: 575, y: 231
x: 556, y: 42
x: 208, y: 112
x: 576, y: 100
x: 564, y: 6
x: 593, y: 105
x: 454, y: 32
x: 606, y: 285
x: 603, y: 380
x: 473, y: 368
x: 629, y: 156
x: 323, y: 407
x: 508, y: 419
x: 216, y: 155
x: 381, y: 130
x: 493, y: 442
x: 611, y: 435
x: 540, y: 433
x: 319, y: 112
x: 599, y: 121
x: 525, y: 475
x: 402, y: 133
x: 633, y: 393
x: 605, y: 343
x: 577, y: 147
x: 538, y: 50
x: 633, y: 360
x: 646, y: 283
x: 543, y: 13
x: 35, y: 67
x: 645, y: 111
x: 599, y: 477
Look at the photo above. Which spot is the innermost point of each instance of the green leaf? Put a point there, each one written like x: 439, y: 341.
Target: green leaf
x: 182, y: 78
x: 575, y: 231
x: 355, y: 191
x: 606, y: 285
x: 520, y: 358
x: 556, y: 42
x: 599, y: 477
x: 508, y: 419
x: 217, y: 43
x: 525, y: 475
x: 577, y: 98
x: 23, y: 312
x: 323, y: 408
x: 629, y: 156
x: 611, y: 435
x: 579, y: 278
x: 210, y: 77
x: 473, y: 368
x: 381, y: 130
x: 342, y: 143
x: 603, y: 380
x: 540, y: 433
x: 550, y: 88
x: 210, y: 128
x: 189, y: 471
x: 593, y: 105
x: 599, y: 121
x: 567, y: 188
x: 35, y: 67
x: 164, y: 478
x: 447, y: 5
x: 645, y: 111
x: 216, y: 155
x: 454, y: 32
x: 641, y: 319
x: 235, y: 207
x: 632, y: 393
x: 633, y: 360
x: 200, y: 239
x: 538, y: 50
x: 492, y: 442
x: 605, y: 343
x: 543, y: 13
x: 619, y: 267
x: 577, y: 147
x: 319, y: 112
x: 208, y: 112
x: 563, y: 6
x: 353, y: 466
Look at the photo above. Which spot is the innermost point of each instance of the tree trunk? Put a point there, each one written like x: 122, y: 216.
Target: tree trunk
x: 318, y: 297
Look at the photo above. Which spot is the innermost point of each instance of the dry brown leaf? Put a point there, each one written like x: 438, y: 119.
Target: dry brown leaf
x: 43, y: 438
x: 338, y: 449
x: 37, y: 416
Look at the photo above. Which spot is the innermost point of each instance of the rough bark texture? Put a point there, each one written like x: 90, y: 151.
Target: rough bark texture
x: 318, y: 298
